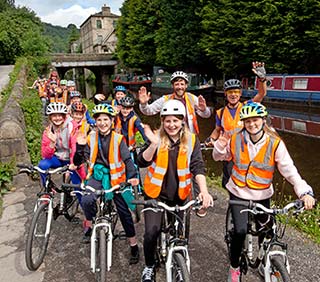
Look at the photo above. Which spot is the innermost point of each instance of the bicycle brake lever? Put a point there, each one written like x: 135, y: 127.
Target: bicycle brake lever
x: 250, y: 210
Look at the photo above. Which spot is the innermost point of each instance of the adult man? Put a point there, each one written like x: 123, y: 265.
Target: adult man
x: 228, y: 117
x: 194, y: 105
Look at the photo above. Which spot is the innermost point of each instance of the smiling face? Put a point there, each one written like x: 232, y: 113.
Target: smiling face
x: 77, y: 116
x: 254, y: 125
x: 125, y: 111
x: 233, y: 96
x: 57, y: 119
x: 104, y: 123
x: 172, y: 126
x: 179, y: 87
x: 119, y: 94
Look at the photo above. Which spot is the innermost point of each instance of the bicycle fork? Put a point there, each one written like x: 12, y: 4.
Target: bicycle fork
x: 50, y: 212
x: 181, y: 249
x: 93, y: 240
x: 267, y: 266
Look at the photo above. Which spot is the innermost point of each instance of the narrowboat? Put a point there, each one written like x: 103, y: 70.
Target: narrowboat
x: 132, y: 82
x: 197, y: 85
x: 302, y: 89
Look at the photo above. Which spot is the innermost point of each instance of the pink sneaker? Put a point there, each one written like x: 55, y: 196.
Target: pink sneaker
x: 234, y: 274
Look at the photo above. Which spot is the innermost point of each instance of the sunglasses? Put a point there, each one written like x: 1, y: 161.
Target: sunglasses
x: 233, y: 92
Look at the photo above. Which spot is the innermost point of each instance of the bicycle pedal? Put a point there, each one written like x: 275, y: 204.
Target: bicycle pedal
x: 75, y: 220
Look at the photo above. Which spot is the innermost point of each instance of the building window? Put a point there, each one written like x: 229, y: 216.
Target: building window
x: 114, y: 23
x: 99, y: 24
x: 99, y: 39
x: 301, y: 83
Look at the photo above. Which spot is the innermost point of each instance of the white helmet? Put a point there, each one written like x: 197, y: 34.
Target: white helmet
x: 173, y: 108
x: 70, y: 83
x: 179, y: 74
x: 56, y: 108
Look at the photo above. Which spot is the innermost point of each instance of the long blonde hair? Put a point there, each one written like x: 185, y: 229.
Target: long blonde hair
x: 165, y: 141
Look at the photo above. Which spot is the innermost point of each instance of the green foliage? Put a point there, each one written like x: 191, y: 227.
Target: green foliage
x: 20, y: 34
x: 6, y: 172
x: 60, y: 38
x: 31, y: 107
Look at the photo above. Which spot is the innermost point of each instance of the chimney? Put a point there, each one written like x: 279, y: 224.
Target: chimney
x: 105, y: 10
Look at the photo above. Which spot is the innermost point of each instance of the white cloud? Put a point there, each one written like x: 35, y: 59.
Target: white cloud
x: 63, y: 13
x: 63, y: 17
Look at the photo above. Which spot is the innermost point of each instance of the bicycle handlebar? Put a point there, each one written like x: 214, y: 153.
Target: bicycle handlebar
x: 257, y: 208
x: 26, y: 168
x: 156, y: 204
x: 204, y: 147
x: 122, y: 187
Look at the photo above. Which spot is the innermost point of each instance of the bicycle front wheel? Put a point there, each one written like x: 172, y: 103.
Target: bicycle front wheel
x: 180, y: 271
x: 101, y: 257
x: 229, y: 230
x: 37, y: 241
x: 278, y: 271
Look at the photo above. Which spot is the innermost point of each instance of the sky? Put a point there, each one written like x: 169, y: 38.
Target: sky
x: 63, y: 13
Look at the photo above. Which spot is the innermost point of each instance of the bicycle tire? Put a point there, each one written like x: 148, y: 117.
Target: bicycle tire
x: 102, y: 256
x: 278, y: 269
x: 71, y: 203
x: 229, y: 229
x: 37, y: 243
x: 180, y: 271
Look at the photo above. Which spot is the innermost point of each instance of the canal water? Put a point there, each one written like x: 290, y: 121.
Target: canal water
x: 305, y: 152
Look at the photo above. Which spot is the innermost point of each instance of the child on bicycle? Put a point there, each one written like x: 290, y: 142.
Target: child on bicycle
x: 58, y: 144
x: 172, y: 157
x: 255, y: 151
x: 119, y: 92
x: 127, y: 122
x: 109, y: 164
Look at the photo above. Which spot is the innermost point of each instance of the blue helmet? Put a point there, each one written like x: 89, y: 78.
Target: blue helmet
x: 120, y: 88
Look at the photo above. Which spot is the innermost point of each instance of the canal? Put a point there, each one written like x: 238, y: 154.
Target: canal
x: 305, y: 152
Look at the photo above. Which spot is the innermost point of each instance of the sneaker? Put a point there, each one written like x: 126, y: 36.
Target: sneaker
x: 234, y: 274
x: 148, y: 274
x: 134, y: 257
x: 201, y: 212
x: 87, y: 236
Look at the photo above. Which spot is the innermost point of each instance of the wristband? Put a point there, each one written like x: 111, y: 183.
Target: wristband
x: 310, y: 193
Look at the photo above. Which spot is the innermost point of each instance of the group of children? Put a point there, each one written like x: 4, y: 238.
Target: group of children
x: 172, y: 156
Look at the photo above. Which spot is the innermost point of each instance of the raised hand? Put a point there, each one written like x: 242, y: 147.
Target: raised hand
x: 51, y: 135
x: 81, y: 138
x: 259, y: 70
x: 153, y: 138
x: 224, y: 138
x: 143, y: 95
x: 202, y: 104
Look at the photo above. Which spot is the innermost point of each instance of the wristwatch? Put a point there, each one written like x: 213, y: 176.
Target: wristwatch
x: 310, y: 193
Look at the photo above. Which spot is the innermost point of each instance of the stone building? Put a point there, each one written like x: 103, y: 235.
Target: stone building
x: 97, y: 32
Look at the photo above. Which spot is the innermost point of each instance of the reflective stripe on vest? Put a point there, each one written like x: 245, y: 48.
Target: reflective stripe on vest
x: 156, y: 172
x: 256, y: 173
x: 131, y: 129
x: 228, y: 123
x: 194, y: 128
x: 117, y: 166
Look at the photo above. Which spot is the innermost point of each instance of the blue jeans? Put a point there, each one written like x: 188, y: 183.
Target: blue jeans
x: 54, y: 162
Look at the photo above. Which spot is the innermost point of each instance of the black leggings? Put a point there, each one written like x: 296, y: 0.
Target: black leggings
x: 240, y: 221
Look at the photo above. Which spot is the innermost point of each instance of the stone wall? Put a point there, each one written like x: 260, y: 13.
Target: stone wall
x: 12, y: 126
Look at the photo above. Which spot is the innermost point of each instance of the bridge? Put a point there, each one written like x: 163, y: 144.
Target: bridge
x: 102, y: 65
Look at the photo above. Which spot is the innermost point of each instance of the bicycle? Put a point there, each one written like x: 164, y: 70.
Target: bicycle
x: 272, y: 253
x: 43, y: 212
x: 103, y: 229
x: 172, y: 245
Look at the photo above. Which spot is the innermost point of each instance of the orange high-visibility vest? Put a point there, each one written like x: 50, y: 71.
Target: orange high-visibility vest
x: 156, y: 172
x: 190, y: 108
x: 131, y: 129
x: 256, y: 173
x: 117, y: 166
x: 228, y: 123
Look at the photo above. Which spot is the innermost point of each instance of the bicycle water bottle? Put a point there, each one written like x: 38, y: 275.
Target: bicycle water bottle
x: 163, y: 250
x: 249, y: 246
x: 62, y: 199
